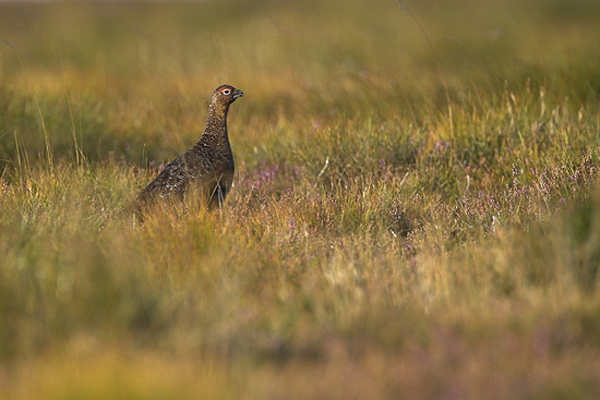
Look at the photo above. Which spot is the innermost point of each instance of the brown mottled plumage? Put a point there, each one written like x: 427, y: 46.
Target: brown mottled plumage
x: 207, y: 168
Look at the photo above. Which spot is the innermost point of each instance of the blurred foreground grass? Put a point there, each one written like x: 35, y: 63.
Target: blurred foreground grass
x: 414, y: 213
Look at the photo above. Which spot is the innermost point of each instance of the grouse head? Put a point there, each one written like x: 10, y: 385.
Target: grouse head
x: 224, y: 95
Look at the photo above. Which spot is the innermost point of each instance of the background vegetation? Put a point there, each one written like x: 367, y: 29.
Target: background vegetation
x: 414, y: 212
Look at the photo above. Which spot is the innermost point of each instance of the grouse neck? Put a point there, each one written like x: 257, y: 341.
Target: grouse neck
x: 216, y: 123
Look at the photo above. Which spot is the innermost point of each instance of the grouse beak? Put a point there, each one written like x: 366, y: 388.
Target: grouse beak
x: 237, y: 93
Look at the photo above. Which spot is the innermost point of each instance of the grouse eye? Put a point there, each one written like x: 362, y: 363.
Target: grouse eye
x: 226, y: 91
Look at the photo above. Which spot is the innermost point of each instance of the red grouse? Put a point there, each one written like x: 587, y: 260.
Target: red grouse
x: 207, y: 168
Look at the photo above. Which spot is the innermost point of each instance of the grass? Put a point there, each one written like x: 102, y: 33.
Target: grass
x: 415, y: 209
